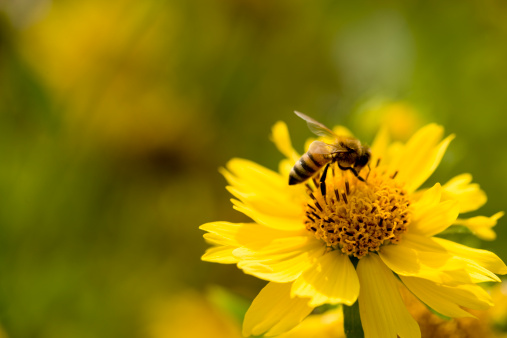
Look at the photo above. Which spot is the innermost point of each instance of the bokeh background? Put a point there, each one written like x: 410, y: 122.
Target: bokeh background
x: 116, y: 115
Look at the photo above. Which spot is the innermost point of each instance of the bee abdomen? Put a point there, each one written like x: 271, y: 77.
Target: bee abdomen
x: 306, y: 167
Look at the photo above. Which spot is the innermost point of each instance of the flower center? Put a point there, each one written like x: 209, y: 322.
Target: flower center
x: 357, y: 217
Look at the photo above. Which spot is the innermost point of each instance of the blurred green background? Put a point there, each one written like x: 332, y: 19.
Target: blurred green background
x: 116, y: 115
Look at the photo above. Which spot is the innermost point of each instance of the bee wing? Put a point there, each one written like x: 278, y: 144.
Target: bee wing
x: 322, y: 148
x: 316, y: 127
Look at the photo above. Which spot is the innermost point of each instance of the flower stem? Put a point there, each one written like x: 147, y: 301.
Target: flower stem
x: 351, y: 317
x: 352, y: 321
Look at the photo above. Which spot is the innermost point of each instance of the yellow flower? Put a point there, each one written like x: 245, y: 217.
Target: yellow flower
x: 306, y: 240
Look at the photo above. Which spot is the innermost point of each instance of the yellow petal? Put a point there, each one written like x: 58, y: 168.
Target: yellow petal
x: 262, y: 190
x: 244, y: 238
x: 435, y: 219
x: 395, y: 151
x: 273, y: 221
x: 427, y: 258
x: 220, y: 254
x: 425, y: 201
x: 224, y: 232
x: 481, y: 225
x: 252, y: 173
x: 420, y: 156
x: 332, y: 279
x: 274, y: 312
x: 484, y: 258
x: 383, y: 313
x: 215, y: 239
x: 477, y: 273
x: 268, y: 203
x: 428, y: 165
x: 244, y: 234
x: 277, y: 247
x: 437, y: 266
x: 461, y: 257
x: 447, y: 300
x: 282, y: 260
x: 281, y: 139
x: 424, y: 140
x: 470, y: 196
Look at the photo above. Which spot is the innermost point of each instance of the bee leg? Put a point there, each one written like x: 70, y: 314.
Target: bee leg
x: 353, y: 171
x: 323, y: 181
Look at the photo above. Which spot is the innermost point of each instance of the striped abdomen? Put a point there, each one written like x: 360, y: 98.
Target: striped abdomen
x: 307, y: 166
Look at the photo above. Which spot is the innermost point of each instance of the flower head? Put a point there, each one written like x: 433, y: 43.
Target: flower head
x: 338, y: 240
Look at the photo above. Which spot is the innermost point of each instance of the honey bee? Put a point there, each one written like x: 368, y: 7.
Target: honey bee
x: 347, y: 152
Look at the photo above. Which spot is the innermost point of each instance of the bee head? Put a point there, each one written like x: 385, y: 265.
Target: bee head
x: 363, y: 160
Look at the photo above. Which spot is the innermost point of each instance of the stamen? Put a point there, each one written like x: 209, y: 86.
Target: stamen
x: 364, y: 218
x: 394, y: 175
x: 337, y: 194
x: 378, y: 162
